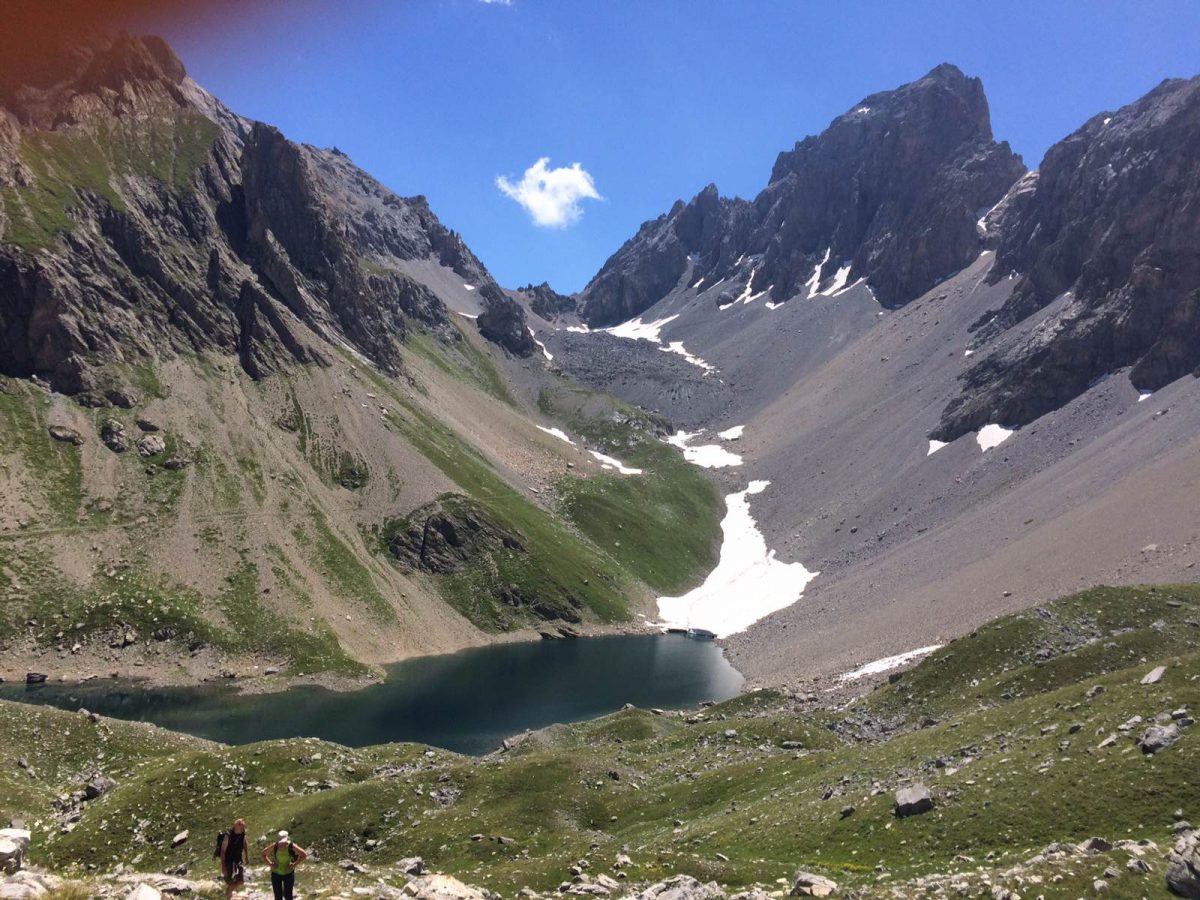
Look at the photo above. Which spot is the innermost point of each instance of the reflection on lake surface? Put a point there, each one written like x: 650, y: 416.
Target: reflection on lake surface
x: 468, y: 701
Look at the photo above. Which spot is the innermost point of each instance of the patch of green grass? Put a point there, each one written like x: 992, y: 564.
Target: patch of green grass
x: 664, y: 526
x: 341, y: 565
x: 714, y: 795
x: 254, y: 627
x: 462, y: 360
x: 53, y: 466
x: 558, y: 563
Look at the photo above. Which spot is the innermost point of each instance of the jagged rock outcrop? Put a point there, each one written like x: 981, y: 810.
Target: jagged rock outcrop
x: 503, y: 322
x: 890, y: 193
x: 447, y: 535
x: 1104, y: 240
x: 547, y: 302
x: 140, y: 218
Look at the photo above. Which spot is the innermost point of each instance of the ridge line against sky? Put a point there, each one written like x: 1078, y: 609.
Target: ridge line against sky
x: 454, y: 99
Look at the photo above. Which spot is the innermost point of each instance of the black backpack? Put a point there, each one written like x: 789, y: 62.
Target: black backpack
x: 220, y: 841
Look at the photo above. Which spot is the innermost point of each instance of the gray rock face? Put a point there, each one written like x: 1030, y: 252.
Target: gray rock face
x: 1183, y: 866
x: 913, y: 800
x: 1111, y: 218
x: 445, y: 536
x: 892, y: 188
x: 547, y: 302
x: 503, y: 322
x: 682, y: 887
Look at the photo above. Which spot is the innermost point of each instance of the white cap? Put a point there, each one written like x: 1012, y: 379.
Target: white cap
x: 283, y: 835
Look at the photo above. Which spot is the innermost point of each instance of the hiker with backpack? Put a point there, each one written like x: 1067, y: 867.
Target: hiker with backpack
x: 234, y: 855
x: 283, y: 856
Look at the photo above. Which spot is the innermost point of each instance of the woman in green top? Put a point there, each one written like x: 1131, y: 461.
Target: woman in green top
x: 283, y: 856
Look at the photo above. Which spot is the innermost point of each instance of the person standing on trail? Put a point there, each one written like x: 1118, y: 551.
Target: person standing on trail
x: 283, y: 856
x: 235, y: 856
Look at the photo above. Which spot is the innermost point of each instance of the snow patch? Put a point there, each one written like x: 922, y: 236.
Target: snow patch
x: 578, y: 329
x: 469, y: 287
x: 889, y: 662
x: 731, y: 434
x: 637, y: 330
x: 815, y: 280
x: 935, y: 446
x: 746, y: 296
x: 546, y: 353
x: 696, y: 286
x: 609, y: 462
x: 748, y: 582
x: 992, y: 436
x: 1107, y: 119
x: 708, y: 456
x: 1144, y: 395
x: 468, y: 315
x: 839, y: 281
x: 968, y: 352
x: 558, y: 433
x: 677, y: 347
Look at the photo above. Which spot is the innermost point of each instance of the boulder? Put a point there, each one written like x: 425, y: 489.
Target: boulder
x: 151, y: 445
x: 1154, y: 676
x: 98, y: 786
x: 112, y: 433
x: 148, y: 425
x: 913, y: 800
x: 1183, y: 866
x: 35, y: 677
x: 443, y: 887
x: 1159, y: 737
x: 26, y: 884
x: 144, y: 892
x: 65, y: 434
x: 682, y: 887
x: 412, y: 865
x: 180, y: 838
x: 808, y: 884
x: 14, y: 843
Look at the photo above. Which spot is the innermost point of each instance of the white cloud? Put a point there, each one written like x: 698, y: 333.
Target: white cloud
x: 498, y: 2
x: 551, y: 196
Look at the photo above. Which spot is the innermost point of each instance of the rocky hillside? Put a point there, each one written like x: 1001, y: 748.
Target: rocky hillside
x: 230, y: 364
x: 1047, y: 754
x: 888, y: 194
x: 1102, y: 238
x: 951, y: 426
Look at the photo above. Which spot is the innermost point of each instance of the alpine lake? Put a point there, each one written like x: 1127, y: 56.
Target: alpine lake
x: 467, y: 702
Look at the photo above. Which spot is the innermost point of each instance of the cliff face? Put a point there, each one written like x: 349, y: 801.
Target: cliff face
x: 890, y: 193
x: 138, y: 216
x: 1103, y: 240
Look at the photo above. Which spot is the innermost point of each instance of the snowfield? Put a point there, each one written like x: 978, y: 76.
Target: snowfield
x: 889, y: 662
x: 935, y: 446
x: 992, y: 436
x: 637, y: 330
x: 608, y: 462
x: 709, y: 456
x: 748, y: 582
x: 731, y: 434
x: 558, y: 433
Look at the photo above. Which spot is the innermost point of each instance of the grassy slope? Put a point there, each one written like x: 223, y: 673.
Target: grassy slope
x: 741, y: 796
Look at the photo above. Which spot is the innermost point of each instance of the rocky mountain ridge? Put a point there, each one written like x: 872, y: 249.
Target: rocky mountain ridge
x: 249, y: 235
x: 889, y: 193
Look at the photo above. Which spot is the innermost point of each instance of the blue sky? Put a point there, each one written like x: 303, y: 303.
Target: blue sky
x: 654, y: 99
